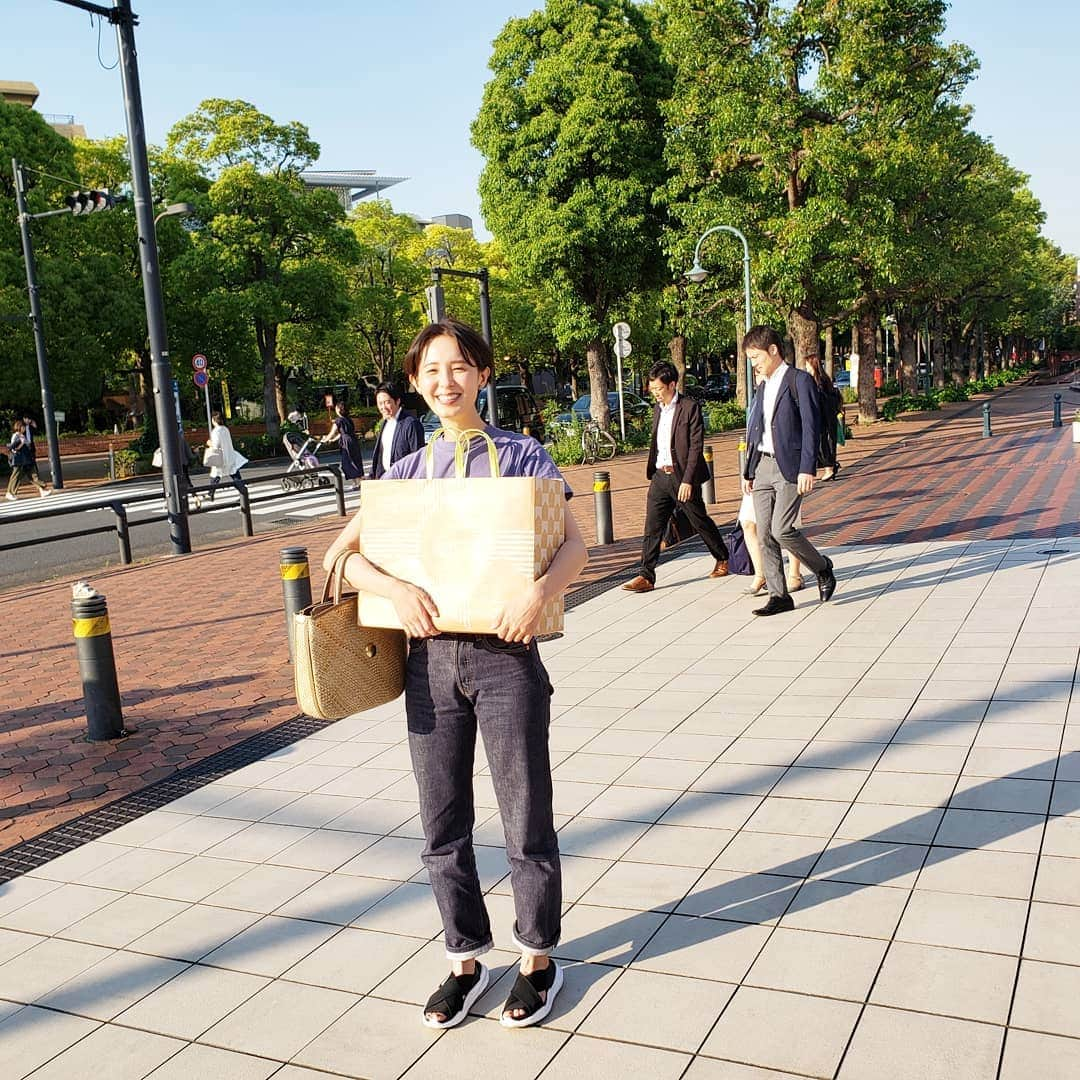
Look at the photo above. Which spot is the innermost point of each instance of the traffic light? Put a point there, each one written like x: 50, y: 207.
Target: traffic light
x: 87, y: 202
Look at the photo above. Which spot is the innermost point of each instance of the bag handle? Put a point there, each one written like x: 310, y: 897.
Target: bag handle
x: 335, y: 580
x: 461, y: 447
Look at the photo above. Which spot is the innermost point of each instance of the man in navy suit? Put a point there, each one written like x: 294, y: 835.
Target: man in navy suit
x: 401, y: 433
x: 782, y: 432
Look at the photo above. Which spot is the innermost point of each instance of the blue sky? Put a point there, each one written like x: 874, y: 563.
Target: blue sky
x: 394, y: 86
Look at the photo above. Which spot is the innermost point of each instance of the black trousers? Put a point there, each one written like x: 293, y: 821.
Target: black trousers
x: 660, y: 504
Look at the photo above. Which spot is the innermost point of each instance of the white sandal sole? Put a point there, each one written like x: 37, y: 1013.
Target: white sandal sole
x: 543, y: 1011
x: 470, y: 1000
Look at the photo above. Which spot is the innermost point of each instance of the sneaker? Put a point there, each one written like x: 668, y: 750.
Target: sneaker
x: 11, y: 498
x: 44, y: 491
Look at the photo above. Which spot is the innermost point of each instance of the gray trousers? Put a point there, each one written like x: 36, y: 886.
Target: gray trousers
x: 776, y: 507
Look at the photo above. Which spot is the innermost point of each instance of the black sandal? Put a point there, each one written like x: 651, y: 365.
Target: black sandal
x: 525, y: 994
x: 455, y: 998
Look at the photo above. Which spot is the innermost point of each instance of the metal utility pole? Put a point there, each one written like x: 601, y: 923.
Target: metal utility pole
x: 39, y: 330
x: 160, y: 369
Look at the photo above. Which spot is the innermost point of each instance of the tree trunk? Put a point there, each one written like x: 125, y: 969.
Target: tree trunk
x: 829, y: 351
x: 905, y: 344
x: 977, y: 352
x: 804, y: 329
x: 677, y: 349
x: 266, y: 339
x: 956, y: 365
x: 598, y: 383
x: 867, y: 331
x: 937, y: 346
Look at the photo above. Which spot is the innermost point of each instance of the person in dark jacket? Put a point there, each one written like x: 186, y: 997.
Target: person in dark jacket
x: 783, y: 431
x: 676, y: 471
x: 400, y: 435
x: 831, y: 407
x: 344, y: 432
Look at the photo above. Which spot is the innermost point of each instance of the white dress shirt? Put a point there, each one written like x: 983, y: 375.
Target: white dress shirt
x: 770, y: 389
x: 387, y: 444
x: 663, y: 433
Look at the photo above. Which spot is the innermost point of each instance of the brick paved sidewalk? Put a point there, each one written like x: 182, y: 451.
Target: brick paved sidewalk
x: 200, y: 640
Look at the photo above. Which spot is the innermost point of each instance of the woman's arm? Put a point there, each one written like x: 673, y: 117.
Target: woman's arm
x: 519, y: 619
x: 415, y: 608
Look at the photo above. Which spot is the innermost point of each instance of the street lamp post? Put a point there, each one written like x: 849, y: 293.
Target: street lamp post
x: 437, y: 310
x: 697, y: 274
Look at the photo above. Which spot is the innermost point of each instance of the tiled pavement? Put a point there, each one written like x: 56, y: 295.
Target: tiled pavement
x: 199, y: 640
x: 843, y: 843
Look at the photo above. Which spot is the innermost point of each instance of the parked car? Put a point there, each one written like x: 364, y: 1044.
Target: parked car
x: 517, y: 410
x: 635, y: 407
x: 718, y: 387
x: 842, y: 380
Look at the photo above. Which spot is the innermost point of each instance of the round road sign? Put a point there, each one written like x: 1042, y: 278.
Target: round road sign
x: 622, y: 331
x: 198, y: 362
x: 201, y: 379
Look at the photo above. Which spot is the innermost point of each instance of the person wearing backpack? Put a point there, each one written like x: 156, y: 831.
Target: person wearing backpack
x: 782, y: 437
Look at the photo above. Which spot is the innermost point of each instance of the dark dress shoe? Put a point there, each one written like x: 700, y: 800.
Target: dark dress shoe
x: 639, y: 584
x: 826, y: 582
x: 720, y: 569
x: 776, y: 605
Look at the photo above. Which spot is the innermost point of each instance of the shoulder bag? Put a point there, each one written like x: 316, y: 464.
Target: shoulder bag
x: 340, y: 667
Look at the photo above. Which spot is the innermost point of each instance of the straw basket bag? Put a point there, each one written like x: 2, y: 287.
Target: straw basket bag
x: 341, y: 667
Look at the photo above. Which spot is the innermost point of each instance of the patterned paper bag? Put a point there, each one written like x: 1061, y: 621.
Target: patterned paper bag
x: 472, y: 542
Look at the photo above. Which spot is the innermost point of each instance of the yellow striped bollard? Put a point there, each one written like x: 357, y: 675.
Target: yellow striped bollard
x: 97, y: 665
x: 295, y: 586
x: 605, y: 533
x: 708, y: 489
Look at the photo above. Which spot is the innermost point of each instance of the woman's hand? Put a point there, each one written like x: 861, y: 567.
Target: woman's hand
x: 517, y: 621
x: 415, y: 609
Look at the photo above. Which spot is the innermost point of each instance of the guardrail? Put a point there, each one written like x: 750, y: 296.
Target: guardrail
x: 122, y: 525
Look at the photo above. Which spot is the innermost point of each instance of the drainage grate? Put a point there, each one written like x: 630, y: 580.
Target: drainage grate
x: 37, y: 851
x: 289, y: 521
x: 1053, y: 551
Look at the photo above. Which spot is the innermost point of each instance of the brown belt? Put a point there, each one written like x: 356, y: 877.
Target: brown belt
x: 668, y: 469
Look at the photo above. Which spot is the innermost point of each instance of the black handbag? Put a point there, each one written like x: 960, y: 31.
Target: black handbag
x: 739, y: 561
x: 678, y: 529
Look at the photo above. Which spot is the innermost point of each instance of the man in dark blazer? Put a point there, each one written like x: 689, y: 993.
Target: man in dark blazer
x: 676, y: 471
x: 782, y: 432
x: 400, y: 433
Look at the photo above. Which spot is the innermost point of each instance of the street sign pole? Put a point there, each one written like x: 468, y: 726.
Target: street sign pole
x: 199, y: 363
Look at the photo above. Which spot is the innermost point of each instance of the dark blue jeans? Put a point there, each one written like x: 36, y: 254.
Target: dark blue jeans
x: 453, y: 686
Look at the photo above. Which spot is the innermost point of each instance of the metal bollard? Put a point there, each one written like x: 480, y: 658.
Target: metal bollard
x: 708, y: 489
x: 742, y: 459
x: 1057, y: 411
x: 97, y: 665
x: 295, y: 585
x: 602, y: 498
x: 112, y: 462
x: 986, y: 420
x: 338, y: 479
x: 526, y: 430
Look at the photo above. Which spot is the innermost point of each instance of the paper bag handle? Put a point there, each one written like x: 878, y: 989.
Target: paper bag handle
x: 461, y: 447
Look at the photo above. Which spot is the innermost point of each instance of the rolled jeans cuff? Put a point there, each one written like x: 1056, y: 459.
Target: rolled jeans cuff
x: 531, y: 950
x: 469, y: 954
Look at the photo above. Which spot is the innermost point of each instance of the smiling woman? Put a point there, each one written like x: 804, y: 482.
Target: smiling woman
x: 458, y: 683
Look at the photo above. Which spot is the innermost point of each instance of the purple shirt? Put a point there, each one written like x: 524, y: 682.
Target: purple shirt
x: 519, y: 455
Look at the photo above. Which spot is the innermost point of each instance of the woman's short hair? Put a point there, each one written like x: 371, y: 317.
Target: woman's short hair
x: 388, y: 388
x: 217, y: 418
x: 664, y: 370
x: 762, y: 337
x: 473, y: 348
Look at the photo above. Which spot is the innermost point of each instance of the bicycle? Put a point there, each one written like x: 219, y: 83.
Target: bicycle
x: 596, y: 444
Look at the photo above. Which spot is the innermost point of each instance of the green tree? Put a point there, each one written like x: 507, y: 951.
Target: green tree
x: 570, y: 131
x: 269, y: 245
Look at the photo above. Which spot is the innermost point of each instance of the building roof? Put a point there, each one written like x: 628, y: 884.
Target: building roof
x: 352, y: 185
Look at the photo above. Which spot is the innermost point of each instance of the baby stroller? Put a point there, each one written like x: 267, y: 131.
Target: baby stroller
x: 302, y: 448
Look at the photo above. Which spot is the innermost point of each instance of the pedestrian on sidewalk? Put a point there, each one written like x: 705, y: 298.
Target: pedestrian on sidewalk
x: 831, y: 407
x: 458, y: 683
x: 343, y: 431
x: 675, y: 471
x: 400, y: 435
x: 782, y: 435
x: 232, y: 461
x: 21, y: 457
